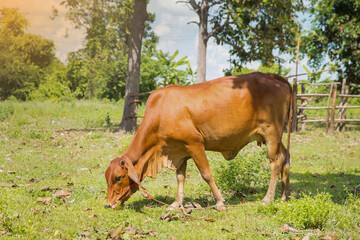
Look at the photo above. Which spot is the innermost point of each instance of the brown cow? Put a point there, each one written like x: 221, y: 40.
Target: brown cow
x: 222, y: 115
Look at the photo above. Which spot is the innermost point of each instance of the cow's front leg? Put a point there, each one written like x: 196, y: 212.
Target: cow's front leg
x: 181, y: 174
x: 197, y: 152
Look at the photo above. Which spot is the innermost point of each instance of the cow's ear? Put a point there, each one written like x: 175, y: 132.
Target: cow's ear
x: 131, y: 171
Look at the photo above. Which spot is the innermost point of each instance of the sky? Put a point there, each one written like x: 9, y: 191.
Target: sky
x: 171, y: 26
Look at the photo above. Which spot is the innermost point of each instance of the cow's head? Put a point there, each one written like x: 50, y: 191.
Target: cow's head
x: 122, y: 181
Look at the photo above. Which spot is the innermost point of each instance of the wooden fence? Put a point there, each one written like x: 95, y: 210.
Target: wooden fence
x: 300, y: 116
x: 330, y: 120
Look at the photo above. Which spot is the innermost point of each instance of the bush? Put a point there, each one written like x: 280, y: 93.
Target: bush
x: 306, y: 212
x: 247, y: 172
x: 55, y: 91
x: 6, y: 110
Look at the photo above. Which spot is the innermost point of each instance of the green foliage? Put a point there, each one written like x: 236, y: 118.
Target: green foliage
x: 23, y: 56
x: 334, y: 38
x: 310, y: 212
x: 258, y: 30
x: 273, y: 68
x: 54, y: 86
x: 307, y: 212
x: 12, y: 23
x: 6, y: 111
x: 247, y: 172
x: 107, y: 119
x: 150, y: 67
x: 169, y: 74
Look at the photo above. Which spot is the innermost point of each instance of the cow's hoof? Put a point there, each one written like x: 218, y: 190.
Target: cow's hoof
x: 174, y: 206
x: 220, y: 207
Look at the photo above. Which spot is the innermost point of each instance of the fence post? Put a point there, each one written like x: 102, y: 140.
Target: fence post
x: 327, y: 110
x: 332, y: 121
x: 294, y: 120
x: 342, y: 111
x: 303, y: 103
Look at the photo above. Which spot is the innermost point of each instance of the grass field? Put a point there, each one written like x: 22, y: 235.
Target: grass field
x: 46, y: 147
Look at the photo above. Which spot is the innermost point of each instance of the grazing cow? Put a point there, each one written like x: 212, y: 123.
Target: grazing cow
x: 222, y: 115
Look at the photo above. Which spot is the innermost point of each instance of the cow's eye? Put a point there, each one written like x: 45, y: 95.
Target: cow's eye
x: 117, y: 178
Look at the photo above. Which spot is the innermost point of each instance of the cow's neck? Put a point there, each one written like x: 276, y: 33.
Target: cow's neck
x: 142, y: 148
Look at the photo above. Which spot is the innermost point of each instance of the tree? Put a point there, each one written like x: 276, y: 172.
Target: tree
x: 137, y: 28
x: 334, y: 38
x: 169, y: 74
x: 23, y: 56
x: 202, y: 10
x: 256, y: 30
x: 99, y: 69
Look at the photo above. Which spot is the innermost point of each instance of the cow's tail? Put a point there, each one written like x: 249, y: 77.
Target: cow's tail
x: 291, y: 109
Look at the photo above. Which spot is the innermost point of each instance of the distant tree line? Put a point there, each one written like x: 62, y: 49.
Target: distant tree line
x: 258, y: 30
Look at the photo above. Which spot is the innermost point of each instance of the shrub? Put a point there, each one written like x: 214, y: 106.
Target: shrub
x: 6, y: 110
x: 306, y: 212
x: 248, y: 171
x: 55, y: 91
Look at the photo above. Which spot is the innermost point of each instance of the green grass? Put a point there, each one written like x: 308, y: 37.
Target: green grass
x: 68, y: 146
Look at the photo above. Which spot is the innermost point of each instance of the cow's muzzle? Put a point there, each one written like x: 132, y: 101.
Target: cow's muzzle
x: 108, y: 205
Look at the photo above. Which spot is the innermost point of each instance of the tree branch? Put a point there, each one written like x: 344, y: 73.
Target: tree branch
x: 218, y: 28
x: 213, y: 3
x: 193, y: 5
x: 197, y: 23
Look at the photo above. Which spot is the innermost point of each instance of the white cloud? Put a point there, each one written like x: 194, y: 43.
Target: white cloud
x: 217, y: 60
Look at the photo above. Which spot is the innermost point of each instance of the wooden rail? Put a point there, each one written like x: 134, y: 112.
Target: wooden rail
x: 314, y: 95
x: 324, y: 120
x: 336, y: 107
x: 331, y: 107
x: 303, y: 74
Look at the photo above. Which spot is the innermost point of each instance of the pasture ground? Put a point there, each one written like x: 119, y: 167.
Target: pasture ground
x: 46, y: 147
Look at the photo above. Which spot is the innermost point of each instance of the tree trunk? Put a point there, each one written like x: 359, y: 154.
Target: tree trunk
x: 203, y: 13
x: 137, y: 26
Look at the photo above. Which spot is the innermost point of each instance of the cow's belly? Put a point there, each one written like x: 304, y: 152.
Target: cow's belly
x: 232, y: 144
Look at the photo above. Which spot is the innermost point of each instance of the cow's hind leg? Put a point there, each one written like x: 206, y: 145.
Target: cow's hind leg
x: 180, y: 175
x: 285, y: 172
x: 197, y: 152
x: 279, y: 162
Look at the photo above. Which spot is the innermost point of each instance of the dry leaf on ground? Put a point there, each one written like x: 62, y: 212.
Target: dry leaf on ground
x: 5, y: 233
x: 34, y: 180
x: 329, y: 237
x: 62, y: 193
x: 209, y: 220
x: 47, y: 188
x: 114, y: 232
x: 44, y: 200
x: 101, y: 197
x: 91, y: 215
x: 287, y: 228
x: 169, y: 216
x: 85, y: 234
